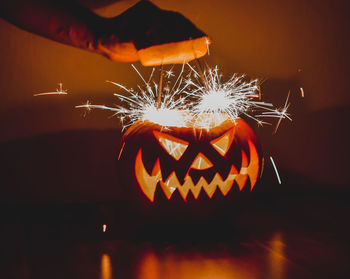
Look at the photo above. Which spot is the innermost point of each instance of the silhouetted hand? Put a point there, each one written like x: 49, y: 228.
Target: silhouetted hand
x: 144, y: 32
x: 153, y: 35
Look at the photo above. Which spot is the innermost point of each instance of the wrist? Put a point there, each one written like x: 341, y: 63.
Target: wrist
x: 76, y: 27
x: 108, y: 40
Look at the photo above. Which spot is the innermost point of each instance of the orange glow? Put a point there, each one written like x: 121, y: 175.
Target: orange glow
x: 148, y: 183
x: 266, y: 259
x: 174, y: 146
x: 149, y: 268
x: 106, y: 267
x: 277, y: 258
x: 223, y: 143
x: 194, y: 266
x: 174, y: 53
x: 201, y: 163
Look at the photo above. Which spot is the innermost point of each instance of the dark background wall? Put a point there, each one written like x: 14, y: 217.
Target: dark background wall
x: 49, y: 151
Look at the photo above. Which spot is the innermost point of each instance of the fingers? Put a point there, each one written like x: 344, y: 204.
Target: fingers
x: 174, y: 53
x: 170, y: 53
x: 151, y: 35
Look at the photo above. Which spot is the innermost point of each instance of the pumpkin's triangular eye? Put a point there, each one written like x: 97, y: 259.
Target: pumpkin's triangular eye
x: 174, y: 146
x: 222, y: 144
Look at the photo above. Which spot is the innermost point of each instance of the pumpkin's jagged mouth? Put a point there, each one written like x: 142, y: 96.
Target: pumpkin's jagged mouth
x: 148, y: 183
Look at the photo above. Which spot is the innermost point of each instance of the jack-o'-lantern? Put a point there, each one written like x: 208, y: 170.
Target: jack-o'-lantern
x: 189, y: 162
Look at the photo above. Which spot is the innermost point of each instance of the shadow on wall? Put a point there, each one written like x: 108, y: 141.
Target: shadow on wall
x: 81, y: 165
x: 315, y: 143
x: 68, y: 166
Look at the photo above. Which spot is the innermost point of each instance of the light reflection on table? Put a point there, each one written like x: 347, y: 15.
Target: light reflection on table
x: 106, y: 267
x: 216, y: 264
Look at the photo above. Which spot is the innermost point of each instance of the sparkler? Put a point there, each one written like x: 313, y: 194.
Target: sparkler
x: 197, y: 99
x: 59, y: 91
x: 216, y: 101
x: 144, y: 105
x: 208, y: 43
x: 278, y: 113
x: 200, y: 100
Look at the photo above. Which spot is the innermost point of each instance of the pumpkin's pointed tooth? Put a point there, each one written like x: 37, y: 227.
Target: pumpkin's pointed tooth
x: 195, y: 175
x: 148, y: 183
x: 226, y: 185
x: 210, y: 174
x: 183, y: 189
x: 156, y: 168
x: 195, y: 189
x: 170, y: 185
x: 210, y: 188
x: 244, y: 160
x: 241, y: 178
x: 166, y: 172
x: 224, y: 171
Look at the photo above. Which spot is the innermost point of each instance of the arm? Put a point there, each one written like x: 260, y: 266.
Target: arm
x: 66, y: 22
x: 142, y: 32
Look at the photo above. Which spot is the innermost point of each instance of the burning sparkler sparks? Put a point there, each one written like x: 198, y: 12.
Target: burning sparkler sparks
x: 201, y: 100
x: 230, y: 99
x: 193, y: 99
x: 143, y: 105
x: 208, y: 43
x: 59, y: 91
x: 278, y: 113
x: 276, y: 171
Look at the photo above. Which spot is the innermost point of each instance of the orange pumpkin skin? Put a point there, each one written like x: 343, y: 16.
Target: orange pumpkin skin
x: 173, y: 169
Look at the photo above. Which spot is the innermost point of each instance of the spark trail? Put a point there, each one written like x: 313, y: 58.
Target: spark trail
x: 59, y: 91
x: 194, y: 99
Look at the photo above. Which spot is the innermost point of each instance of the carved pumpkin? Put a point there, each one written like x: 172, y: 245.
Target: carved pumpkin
x: 175, y: 161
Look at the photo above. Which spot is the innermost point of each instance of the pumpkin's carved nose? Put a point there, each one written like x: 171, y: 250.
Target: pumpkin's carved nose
x: 201, y: 163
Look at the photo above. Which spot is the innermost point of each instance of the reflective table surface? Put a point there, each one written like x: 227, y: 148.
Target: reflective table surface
x: 299, y: 236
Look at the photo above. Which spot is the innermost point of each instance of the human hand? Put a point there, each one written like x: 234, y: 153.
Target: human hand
x: 149, y: 34
x: 144, y: 32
